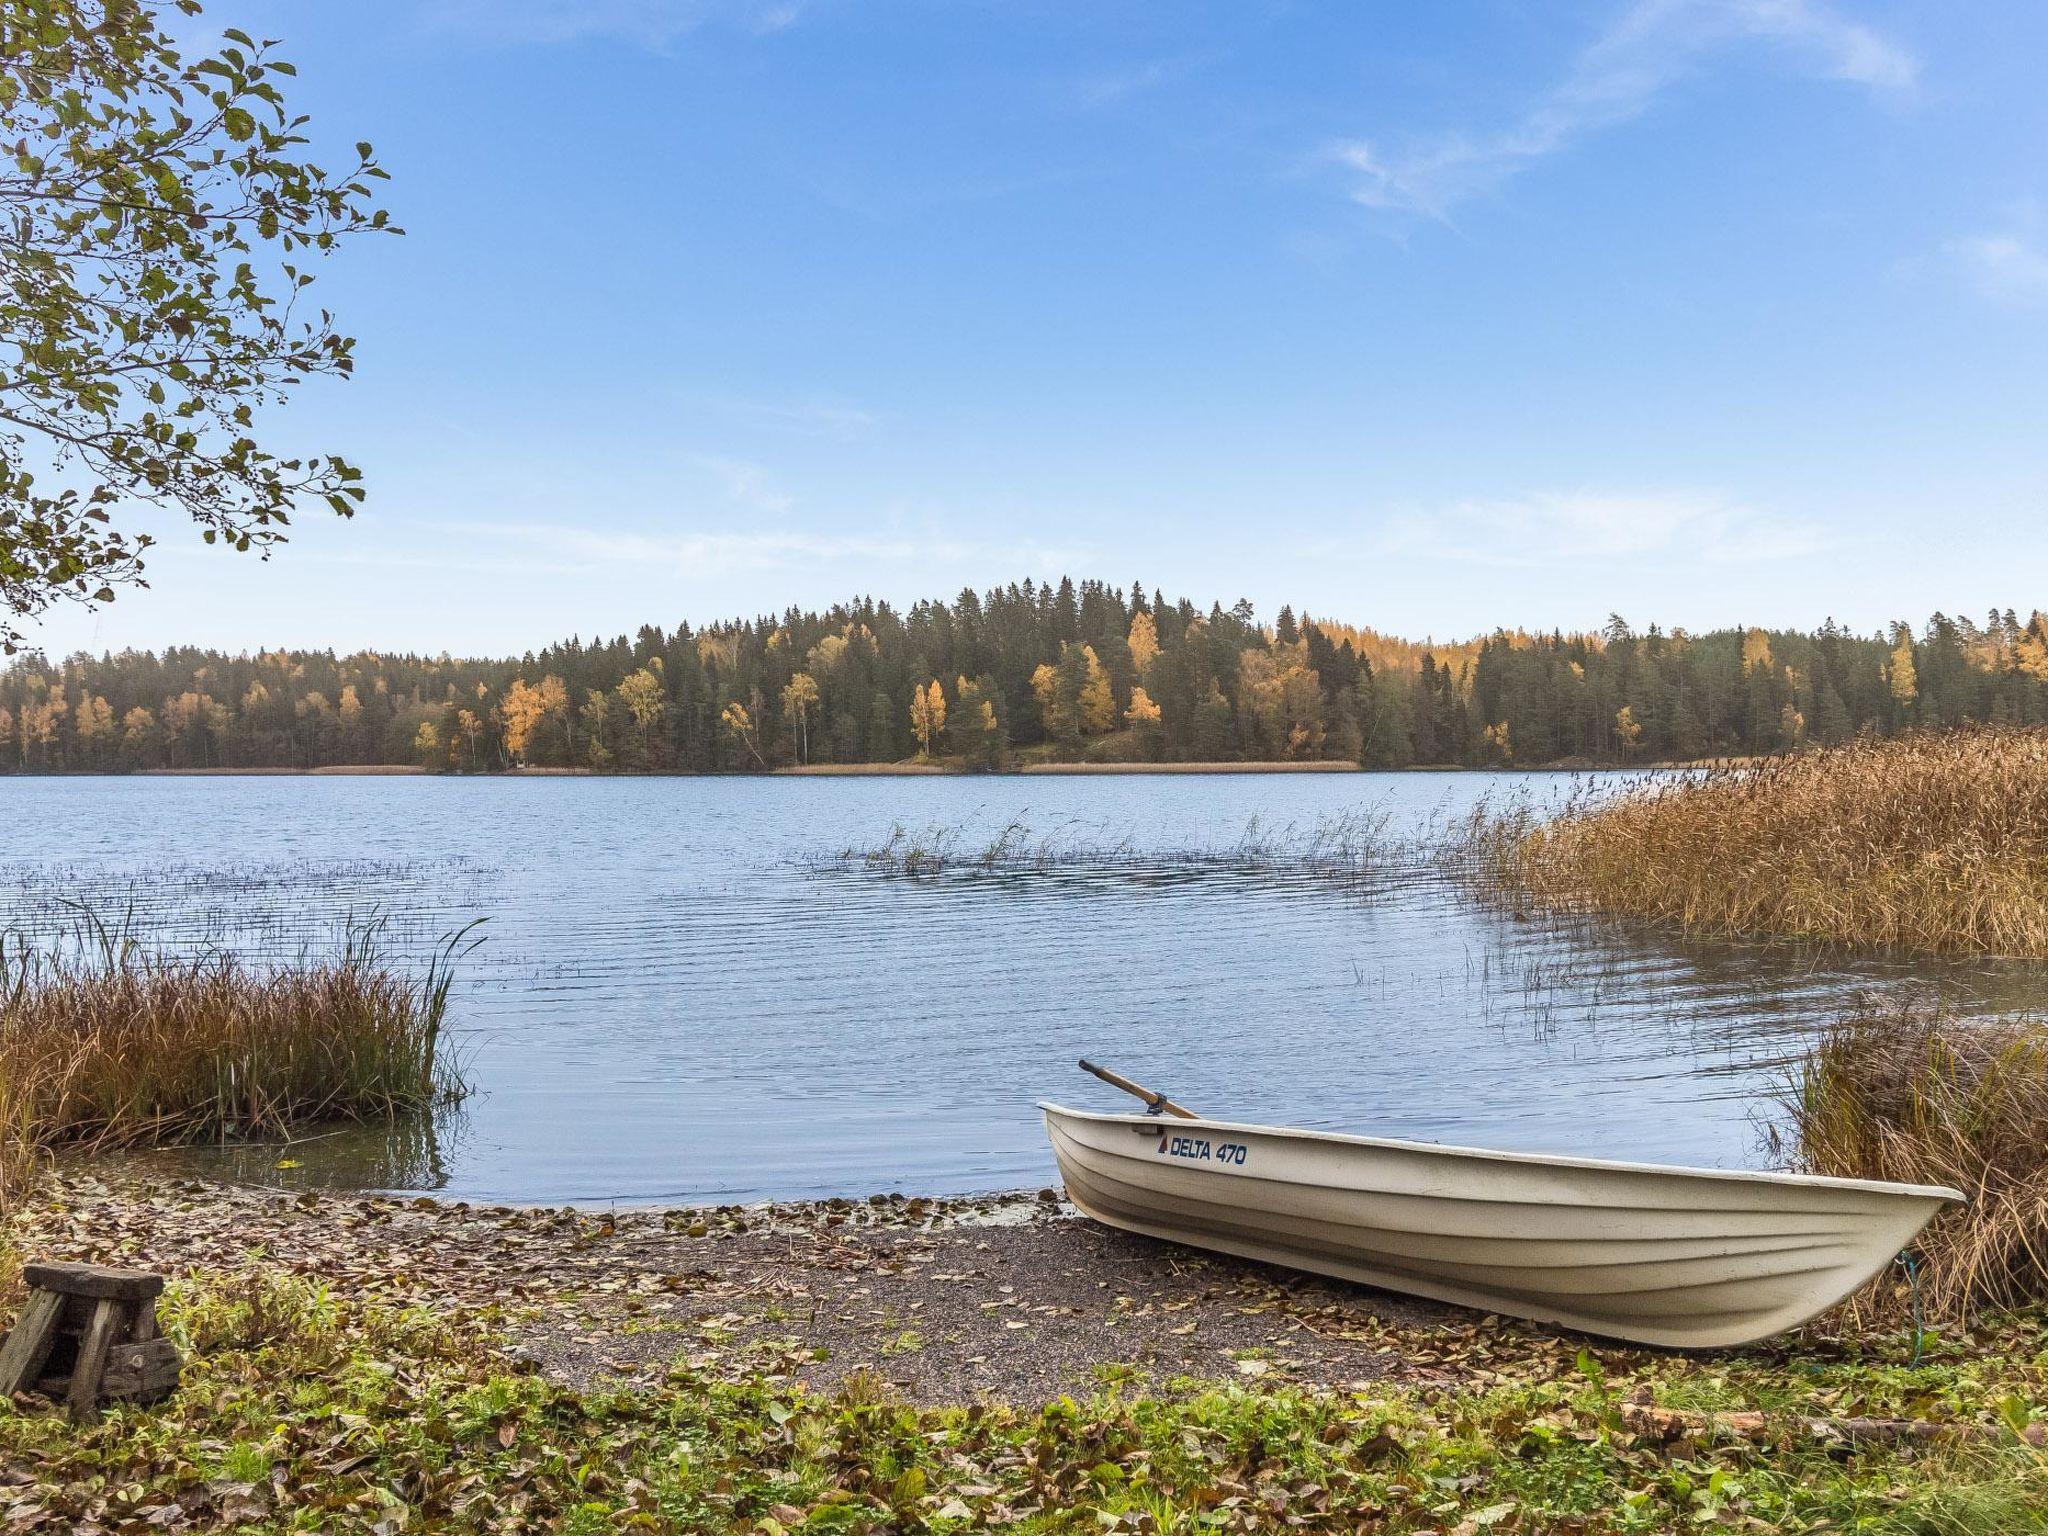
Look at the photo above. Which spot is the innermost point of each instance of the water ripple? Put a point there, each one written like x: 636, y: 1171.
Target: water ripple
x: 688, y: 992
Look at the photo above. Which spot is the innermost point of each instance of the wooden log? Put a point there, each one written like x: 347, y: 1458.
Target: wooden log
x: 144, y: 1372
x: 95, y: 1280
x: 29, y: 1344
x: 83, y: 1398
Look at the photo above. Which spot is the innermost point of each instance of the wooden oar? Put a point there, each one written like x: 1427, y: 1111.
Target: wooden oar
x: 1155, y: 1103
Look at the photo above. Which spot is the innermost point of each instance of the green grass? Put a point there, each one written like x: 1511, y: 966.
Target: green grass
x: 303, y: 1409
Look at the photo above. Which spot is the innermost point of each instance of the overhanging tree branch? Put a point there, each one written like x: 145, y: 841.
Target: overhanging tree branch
x: 147, y: 205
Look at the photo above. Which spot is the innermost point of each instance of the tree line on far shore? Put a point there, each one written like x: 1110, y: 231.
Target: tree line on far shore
x: 1061, y: 671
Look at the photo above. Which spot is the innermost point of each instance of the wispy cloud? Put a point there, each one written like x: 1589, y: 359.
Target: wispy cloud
x: 1618, y: 77
x: 647, y: 23
x: 747, y: 483
x: 724, y: 553
x: 2007, y: 266
x: 1573, y: 528
x: 804, y: 418
x: 1110, y: 87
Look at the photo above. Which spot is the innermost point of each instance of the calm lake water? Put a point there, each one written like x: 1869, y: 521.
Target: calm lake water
x: 685, y: 995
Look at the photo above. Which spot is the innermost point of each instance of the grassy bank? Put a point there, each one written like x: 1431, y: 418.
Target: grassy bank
x: 1929, y: 843
x: 103, y: 1045
x: 370, y: 1383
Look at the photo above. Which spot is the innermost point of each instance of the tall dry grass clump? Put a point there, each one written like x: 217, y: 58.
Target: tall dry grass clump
x: 1901, y: 1090
x: 1931, y: 843
x: 103, y: 1045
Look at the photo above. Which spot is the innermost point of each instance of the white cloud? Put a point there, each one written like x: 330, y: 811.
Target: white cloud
x: 1582, y: 527
x: 648, y: 23
x: 2010, y: 267
x: 747, y: 483
x: 1616, y: 78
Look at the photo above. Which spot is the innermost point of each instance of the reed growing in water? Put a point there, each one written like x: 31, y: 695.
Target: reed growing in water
x: 1935, y: 843
x: 104, y: 1045
x: 1901, y: 1089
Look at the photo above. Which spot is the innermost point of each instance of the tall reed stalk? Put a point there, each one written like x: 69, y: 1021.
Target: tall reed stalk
x: 1901, y: 1090
x: 103, y: 1045
x: 1935, y: 843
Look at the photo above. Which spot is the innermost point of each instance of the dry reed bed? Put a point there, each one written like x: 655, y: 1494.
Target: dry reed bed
x: 1899, y: 1089
x: 1934, y: 843
x: 103, y: 1045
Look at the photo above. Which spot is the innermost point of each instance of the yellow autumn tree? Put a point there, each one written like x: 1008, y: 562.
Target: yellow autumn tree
x: 426, y: 743
x: 1792, y: 726
x: 95, y: 718
x: 927, y: 715
x: 799, y: 696
x: 1628, y: 730
x: 1144, y: 641
x: 2030, y: 655
x: 644, y: 698
x: 1142, y: 712
x: 1097, y: 703
x: 738, y: 719
x: 975, y: 732
x: 469, y: 725
x: 1756, y: 651
x: 1905, y: 680
x: 526, y: 707
x: 1281, y: 697
x: 138, y: 731
x: 1052, y: 709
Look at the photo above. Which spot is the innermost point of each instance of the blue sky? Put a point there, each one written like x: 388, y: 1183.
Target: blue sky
x: 1431, y: 316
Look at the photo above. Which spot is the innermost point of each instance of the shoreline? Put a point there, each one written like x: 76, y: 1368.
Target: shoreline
x: 899, y: 1363
x: 1013, y: 1296
x: 892, y: 770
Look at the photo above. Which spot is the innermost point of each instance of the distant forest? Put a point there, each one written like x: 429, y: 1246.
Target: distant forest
x: 1082, y: 672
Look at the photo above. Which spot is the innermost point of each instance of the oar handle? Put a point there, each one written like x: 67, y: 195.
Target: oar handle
x: 1157, y: 1103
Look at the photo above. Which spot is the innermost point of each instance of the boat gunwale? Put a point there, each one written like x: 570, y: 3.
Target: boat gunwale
x: 1538, y: 1159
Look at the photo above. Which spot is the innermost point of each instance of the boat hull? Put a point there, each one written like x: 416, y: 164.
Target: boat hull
x: 1676, y: 1257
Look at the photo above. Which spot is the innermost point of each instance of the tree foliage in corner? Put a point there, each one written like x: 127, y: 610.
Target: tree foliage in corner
x: 154, y: 213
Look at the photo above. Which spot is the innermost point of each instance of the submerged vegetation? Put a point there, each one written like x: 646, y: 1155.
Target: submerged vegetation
x: 105, y: 1045
x: 1932, y: 843
x: 1346, y: 844
x: 1903, y: 1090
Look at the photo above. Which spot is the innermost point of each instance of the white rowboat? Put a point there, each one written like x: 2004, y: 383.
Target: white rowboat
x: 1692, y: 1258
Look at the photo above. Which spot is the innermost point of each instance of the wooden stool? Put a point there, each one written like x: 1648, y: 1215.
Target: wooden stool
x: 88, y: 1335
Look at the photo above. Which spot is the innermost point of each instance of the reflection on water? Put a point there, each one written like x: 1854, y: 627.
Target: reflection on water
x: 412, y: 1152
x: 689, y: 994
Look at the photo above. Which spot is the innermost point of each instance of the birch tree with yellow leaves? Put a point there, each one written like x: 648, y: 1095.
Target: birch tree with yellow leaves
x: 927, y: 716
x: 526, y: 708
x: 799, y: 698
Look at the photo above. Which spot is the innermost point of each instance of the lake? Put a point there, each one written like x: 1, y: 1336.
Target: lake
x: 687, y: 995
